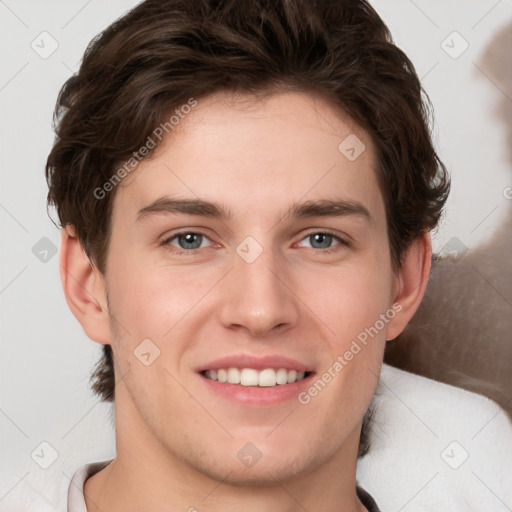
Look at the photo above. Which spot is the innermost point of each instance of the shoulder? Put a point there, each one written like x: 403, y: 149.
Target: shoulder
x: 75, y: 492
x: 436, y: 445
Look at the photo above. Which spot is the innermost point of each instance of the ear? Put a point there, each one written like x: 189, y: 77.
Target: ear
x: 84, y: 288
x: 410, y: 284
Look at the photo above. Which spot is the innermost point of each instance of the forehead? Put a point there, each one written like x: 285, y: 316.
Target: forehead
x: 258, y: 154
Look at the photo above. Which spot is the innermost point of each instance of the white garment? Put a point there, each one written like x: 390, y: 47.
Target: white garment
x: 76, y: 501
x: 436, y: 448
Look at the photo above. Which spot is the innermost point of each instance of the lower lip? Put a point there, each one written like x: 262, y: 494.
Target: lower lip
x: 255, y: 395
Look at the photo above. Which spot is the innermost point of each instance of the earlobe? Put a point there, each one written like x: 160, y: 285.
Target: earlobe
x: 411, y: 282
x: 84, y: 288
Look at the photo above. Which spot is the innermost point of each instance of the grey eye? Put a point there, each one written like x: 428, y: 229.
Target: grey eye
x: 320, y: 240
x: 189, y: 240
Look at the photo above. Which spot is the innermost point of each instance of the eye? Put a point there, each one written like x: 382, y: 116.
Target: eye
x: 189, y: 241
x: 323, y: 240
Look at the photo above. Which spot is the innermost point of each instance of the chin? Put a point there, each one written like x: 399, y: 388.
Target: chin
x: 260, y: 462
x: 266, y: 471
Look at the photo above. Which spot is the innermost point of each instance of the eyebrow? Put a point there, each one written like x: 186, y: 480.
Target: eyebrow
x: 305, y: 209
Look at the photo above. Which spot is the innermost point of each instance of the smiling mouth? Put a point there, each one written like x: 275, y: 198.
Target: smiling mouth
x: 268, y: 377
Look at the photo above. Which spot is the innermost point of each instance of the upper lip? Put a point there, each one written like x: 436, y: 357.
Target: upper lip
x: 258, y: 363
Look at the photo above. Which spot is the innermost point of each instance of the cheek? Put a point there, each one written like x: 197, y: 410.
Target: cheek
x: 350, y: 299
x: 150, y: 298
x: 352, y: 307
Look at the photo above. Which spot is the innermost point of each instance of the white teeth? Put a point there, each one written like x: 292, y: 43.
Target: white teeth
x: 282, y: 376
x: 250, y: 377
x: 292, y: 376
x: 267, y: 378
x: 233, y: 376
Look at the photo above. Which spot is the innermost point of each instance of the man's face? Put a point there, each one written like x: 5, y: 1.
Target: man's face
x: 257, y: 289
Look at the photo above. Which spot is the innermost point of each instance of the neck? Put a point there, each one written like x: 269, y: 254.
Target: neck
x: 146, y: 476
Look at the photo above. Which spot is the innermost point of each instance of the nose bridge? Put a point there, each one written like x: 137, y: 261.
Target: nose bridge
x: 258, y: 299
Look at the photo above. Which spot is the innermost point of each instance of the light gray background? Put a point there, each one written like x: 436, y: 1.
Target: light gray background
x: 45, y: 357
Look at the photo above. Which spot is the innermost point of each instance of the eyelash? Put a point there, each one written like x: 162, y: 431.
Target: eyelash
x: 191, y: 252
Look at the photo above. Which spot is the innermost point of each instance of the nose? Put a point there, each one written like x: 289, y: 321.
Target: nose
x: 257, y: 297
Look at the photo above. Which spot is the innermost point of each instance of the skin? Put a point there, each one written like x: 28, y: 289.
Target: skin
x: 177, y: 441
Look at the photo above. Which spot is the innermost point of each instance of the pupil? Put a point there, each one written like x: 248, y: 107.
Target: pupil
x: 323, y: 239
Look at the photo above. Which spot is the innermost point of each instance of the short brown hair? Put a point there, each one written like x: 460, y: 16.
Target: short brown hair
x: 156, y: 57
